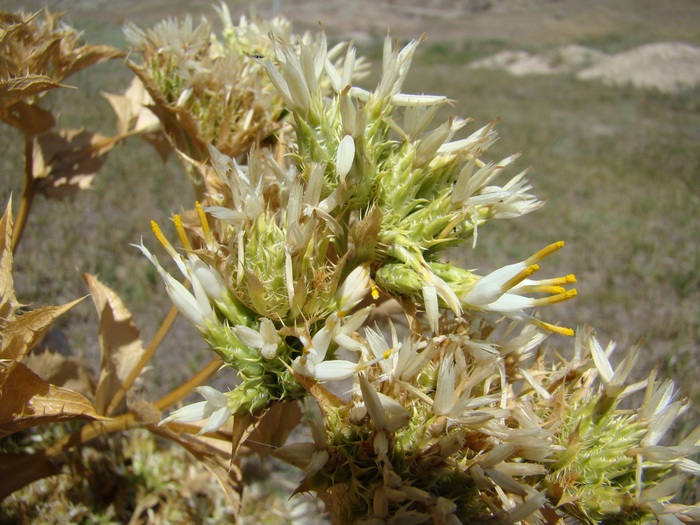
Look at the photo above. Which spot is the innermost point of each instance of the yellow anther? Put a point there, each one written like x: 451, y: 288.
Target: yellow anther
x: 161, y: 238
x: 519, y: 277
x: 562, y: 330
x: 177, y: 220
x: 205, y: 224
x: 387, y: 353
x: 542, y: 288
x: 558, y: 281
x: 553, y: 299
x: 544, y: 252
x: 374, y: 290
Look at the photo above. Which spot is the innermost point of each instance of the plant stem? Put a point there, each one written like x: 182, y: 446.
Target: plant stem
x: 18, y: 472
x: 145, y: 358
x: 28, y: 192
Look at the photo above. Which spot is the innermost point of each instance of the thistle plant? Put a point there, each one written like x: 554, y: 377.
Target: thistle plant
x: 455, y: 415
x: 314, y: 265
x: 204, y: 87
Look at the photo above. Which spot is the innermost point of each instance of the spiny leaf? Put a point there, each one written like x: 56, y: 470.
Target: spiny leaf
x: 67, y: 161
x: 8, y: 301
x: 30, y: 118
x: 89, y: 55
x: 13, y: 90
x: 26, y: 400
x: 60, y: 370
x: 25, y: 331
x: 219, y: 463
x: 120, y: 346
x: 274, y: 427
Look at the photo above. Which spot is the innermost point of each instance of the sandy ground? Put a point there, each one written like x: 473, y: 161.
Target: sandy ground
x: 671, y: 64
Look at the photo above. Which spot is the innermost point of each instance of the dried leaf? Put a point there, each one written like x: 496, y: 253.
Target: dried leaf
x: 23, y: 332
x: 89, y: 55
x: 18, y: 470
x: 218, y: 462
x: 30, y: 118
x: 8, y: 302
x: 365, y: 234
x: 67, y: 161
x: 274, y: 427
x: 120, y: 346
x: 130, y: 108
x: 178, y: 124
x: 26, y: 400
x: 61, y: 371
x: 13, y: 90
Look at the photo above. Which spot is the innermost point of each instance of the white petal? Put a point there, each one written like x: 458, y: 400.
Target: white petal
x: 249, y: 336
x: 212, y: 395
x: 336, y: 370
x: 188, y: 414
x: 216, y: 420
x: 345, y: 157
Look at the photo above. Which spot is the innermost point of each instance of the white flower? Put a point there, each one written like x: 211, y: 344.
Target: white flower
x: 266, y: 339
x: 353, y: 290
x: 195, y: 307
x: 500, y: 291
x: 215, y: 409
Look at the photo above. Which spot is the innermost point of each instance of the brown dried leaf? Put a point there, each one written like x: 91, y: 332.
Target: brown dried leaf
x: 61, y: 371
x: 366, y: 233
x: 130, y: 108
x: 18, y: 470
x: 218, y: 462
x: 67, y: 161
x: 178, y: 124
x: 8, y: 301
x: 30, y: 118
x: 13, y: 90
x: 120, y: 346
x: 23, y: 332
x: 89, y: 55
x: 26, y: 400
x: 274, y: 427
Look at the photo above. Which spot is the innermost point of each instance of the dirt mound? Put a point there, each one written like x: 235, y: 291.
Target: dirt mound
x: 668, y: 67
x: 566, y: 59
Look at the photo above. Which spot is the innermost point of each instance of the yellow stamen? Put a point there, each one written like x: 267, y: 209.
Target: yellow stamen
x: 553, y: 299
x: 181, y: 232
x: 519, y: 277
x: 559, y: 281
x: 540, y: 288
x: 205, y: 224
x: 544, y: 252
x: 161, y: 238
x: 374, y: 290
x: 561, y: 330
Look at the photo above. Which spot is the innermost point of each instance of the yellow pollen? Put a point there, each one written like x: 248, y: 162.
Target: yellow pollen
x: 177, y: 220
x: 387, y: 353
x: 544, y: 252
x: 161, y: 238
x: 553, y: 299
x: 540, y: 288
x: 205, y: 224
x: 519, y: 277
x: 374, y: 290
x: 562, y: 330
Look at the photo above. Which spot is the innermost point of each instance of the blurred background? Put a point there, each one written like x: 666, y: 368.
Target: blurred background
x: 601, y: 97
